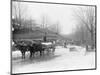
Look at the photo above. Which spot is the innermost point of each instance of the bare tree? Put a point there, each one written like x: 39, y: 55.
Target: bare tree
x: 86, y: 17
x: 44, y: 26
x: 55, y: 27
x: 49, y: 26
x: 18, y: 13
x: 80, y: 32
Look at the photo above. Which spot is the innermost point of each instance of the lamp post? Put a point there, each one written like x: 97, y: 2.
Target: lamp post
x: 13, y: 22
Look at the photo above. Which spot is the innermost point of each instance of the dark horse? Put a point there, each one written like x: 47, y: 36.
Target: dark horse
x: 23, y: 49
x: 36, y: 47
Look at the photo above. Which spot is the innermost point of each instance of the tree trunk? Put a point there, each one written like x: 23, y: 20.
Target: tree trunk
x: 92, y: 40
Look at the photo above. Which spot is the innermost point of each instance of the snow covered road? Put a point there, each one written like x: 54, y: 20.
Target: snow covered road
x: 63, y: 59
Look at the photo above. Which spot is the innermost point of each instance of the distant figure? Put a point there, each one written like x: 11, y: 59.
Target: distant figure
x: 86, y: 47
x: 65, y: 45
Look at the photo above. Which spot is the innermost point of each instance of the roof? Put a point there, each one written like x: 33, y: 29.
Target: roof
x: 33, y: 34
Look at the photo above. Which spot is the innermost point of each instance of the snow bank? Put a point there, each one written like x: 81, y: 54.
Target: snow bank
x: 63, y: 59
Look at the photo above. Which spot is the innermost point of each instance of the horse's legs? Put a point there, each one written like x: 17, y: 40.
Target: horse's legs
x: 40, y: 53
x: 43, y: 52
x: 53, y: 50
x: 24, y: 55
x: 30, y: 54
x: 33, y: 54
x: 48, y: 51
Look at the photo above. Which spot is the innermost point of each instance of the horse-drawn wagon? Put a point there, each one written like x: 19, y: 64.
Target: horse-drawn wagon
x: 33, y: 47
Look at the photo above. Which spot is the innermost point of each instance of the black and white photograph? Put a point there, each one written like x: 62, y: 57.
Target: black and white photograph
x: 52, y: 37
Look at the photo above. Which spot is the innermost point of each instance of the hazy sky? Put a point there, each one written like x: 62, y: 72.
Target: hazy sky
x: 63, y: 14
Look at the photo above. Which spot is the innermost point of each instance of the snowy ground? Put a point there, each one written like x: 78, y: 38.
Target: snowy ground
x: 63, y: 59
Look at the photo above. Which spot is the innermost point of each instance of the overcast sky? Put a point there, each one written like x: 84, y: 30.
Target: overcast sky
x: 54, y: 13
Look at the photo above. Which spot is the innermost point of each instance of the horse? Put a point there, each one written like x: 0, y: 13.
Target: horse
x: 36, y: 47
x: 23, y: 49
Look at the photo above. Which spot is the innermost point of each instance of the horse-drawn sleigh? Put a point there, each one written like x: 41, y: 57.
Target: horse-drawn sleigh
x: 34, y: 47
